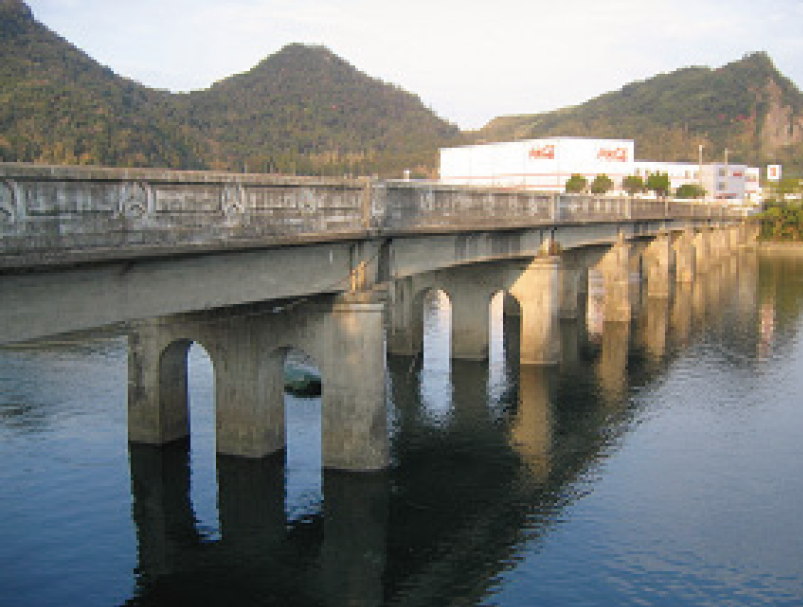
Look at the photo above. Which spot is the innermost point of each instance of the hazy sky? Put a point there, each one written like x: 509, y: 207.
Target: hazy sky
x: 468, y: 60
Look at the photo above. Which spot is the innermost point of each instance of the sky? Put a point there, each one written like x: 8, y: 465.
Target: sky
x: 468, y: 60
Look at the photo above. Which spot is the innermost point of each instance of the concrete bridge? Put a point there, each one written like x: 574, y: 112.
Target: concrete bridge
x: 252, y: 265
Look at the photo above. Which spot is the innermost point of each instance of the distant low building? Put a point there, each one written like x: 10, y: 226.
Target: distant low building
x: 546, y: 165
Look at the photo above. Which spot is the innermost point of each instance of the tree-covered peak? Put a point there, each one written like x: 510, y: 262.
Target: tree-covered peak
x: 16, y: 8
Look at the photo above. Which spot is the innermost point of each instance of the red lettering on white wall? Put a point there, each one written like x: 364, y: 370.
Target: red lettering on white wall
x: 612, y: 155
x: 544, y: 152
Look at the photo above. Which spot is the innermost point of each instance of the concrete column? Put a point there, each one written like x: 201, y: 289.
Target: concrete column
x: 702, y: 251
x: 511, y: 306
x: 658, y: 257
x: 405, y: 320
x: 537, y: 290
x: 249, y: 393
x: 470, y: 320
x: 570, y: 276
x: 354, y: 424
x: 570, y: 340
x: 158, y: 411
x: 735, y: 234
x: 713, y: 247
x: 723, y: 242
x: 615, y: 269
x: 685, y: 258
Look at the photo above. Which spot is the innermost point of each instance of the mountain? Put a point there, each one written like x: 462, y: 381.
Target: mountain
x: 305, y: 110
x: 301, y: 110
x: 58, y: 105
x: 746, y: 107
x: 305, y: 107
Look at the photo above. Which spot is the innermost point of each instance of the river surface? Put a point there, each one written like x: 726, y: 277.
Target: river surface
x: 660, y: 464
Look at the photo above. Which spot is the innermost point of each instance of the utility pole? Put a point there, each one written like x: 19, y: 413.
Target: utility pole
x: 700, y: 173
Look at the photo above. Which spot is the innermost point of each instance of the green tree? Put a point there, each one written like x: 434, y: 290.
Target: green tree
x: 690, y: 190
x: 785, y: 189
x: 633, y: 184
x: 659, y: 183
x: 602, y: 184
x: 576, y: 184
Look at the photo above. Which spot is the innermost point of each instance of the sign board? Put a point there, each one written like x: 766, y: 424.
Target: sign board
x: 774, y: 172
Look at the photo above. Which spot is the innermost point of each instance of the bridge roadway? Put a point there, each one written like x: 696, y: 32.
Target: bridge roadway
x: 250, y: 265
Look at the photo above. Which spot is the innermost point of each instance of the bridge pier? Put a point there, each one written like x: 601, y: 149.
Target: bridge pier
x: 157, y: 387
x: 537, y: 289
x: 702, y: 251
x: 571, y: 276
x: 615, y: 269
x: 685, y: 259
x: 354, y: 424
x: 247, y: 349
x: 405, y: 319
x: 658, y: 257
x: 471, y: 300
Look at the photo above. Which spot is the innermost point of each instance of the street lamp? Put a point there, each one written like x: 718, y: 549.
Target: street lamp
x: 700, y: 173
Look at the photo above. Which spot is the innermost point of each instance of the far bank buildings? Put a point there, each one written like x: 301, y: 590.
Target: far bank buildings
x: 546, y: 165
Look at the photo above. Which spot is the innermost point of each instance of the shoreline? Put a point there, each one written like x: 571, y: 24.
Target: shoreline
x: 795, y: 248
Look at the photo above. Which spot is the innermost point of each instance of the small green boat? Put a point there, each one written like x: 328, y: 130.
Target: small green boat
x: 302, y: 382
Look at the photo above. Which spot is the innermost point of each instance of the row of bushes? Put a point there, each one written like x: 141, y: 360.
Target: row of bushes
x: 782, y: 222
x: 633, y: 184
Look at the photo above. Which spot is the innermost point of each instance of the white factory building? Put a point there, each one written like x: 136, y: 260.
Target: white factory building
x: 546, y: 165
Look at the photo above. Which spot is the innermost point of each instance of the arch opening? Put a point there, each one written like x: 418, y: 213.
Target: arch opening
x: 503, y: 350
x: 187, y: 396
x: 303, y: 415
x: 435, y: 377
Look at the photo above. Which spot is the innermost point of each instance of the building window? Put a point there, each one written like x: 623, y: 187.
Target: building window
x: 723, y: 172
x: 722, y: 186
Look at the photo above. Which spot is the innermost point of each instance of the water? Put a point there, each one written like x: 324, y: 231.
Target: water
x: 660, y: 464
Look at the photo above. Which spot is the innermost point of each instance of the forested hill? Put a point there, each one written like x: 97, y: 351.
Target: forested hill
x: 58, y: 105
x: 305, y: 110
x: 306, y: 106
x: 746, y: 106
x: 301, y: 110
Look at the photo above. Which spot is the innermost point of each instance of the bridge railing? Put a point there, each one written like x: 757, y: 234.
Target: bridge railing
x: 45, y: 211
x: 409, y: 206
x: 51, y: 214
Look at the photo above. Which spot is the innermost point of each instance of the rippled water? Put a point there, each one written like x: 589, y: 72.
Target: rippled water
x: 659, y: 464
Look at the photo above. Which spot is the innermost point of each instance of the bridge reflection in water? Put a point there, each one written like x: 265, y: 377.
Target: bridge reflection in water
x: 470, y: 484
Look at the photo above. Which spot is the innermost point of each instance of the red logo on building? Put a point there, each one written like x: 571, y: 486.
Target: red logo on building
x: 545, y: 152
x: 614, y: 155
